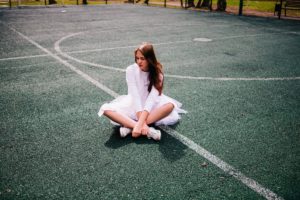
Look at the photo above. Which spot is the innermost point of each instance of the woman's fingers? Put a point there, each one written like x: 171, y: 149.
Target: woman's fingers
x: 145, y: 129
x: 144, y: 132
x: 136, y: 132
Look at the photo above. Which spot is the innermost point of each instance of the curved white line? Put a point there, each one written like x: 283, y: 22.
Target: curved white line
x: 57, y: 48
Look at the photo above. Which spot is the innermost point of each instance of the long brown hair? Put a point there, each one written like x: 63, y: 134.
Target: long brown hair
x: 155, y: 68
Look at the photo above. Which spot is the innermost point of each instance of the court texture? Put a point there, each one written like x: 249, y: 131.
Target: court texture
x: 238, y: 78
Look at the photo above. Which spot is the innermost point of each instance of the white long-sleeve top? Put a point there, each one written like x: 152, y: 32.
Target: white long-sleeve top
x: 137, y: 83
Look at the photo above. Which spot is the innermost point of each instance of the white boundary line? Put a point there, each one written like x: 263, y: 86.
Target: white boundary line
x: 23, y: 57
x: 255, y: 186
x: 268, y: 194
x: 82, y: 74
x: 254, y: 35
x: 114, y: 48
x: 232, y: 79
x: 57, y: 48
x: 27, y: 66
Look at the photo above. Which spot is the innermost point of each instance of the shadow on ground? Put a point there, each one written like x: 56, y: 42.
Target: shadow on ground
x: 170, y: 148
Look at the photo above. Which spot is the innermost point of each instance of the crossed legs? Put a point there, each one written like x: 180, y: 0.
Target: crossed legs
x: 154, y: 116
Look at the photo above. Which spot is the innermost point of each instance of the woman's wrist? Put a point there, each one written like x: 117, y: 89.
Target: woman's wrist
x: 138, y: 114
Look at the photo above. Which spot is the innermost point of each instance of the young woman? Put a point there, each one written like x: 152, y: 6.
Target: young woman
x: 145, y: 103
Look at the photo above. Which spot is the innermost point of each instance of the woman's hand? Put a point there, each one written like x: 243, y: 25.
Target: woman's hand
x: 145, y: 129
x: 137, y: 131
x: 141, y: 127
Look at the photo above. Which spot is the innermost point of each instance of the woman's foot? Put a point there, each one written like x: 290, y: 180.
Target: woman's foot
x: 154, y: 134
x: 125, y: 131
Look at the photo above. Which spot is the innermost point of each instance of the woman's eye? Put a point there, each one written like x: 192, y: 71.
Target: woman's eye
x: 140, y: 58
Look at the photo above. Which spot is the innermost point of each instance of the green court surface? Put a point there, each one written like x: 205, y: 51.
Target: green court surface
x: 238, y: 78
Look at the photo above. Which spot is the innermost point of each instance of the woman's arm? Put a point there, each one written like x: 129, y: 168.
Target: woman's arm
x: 132, y: 88
x: 141, y: 126
x: 153, y: 96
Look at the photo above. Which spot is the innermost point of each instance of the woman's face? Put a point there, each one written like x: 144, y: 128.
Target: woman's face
x: 141, y: 61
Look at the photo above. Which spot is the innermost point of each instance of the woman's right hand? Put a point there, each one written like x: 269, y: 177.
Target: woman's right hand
x: 141, y: 127
x: 145, y: 129
x: 137, y: 131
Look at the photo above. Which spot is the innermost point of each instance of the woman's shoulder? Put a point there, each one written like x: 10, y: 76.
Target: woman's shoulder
x: 132, y: 67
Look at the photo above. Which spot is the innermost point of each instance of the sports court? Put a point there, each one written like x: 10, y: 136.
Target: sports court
x: 238, y: 77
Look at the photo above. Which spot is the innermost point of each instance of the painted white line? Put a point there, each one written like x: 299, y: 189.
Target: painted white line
x: 268, y: 194
x: 178, y: 42
x: 294, y: 32
x: 57, y: 48
x: 202, y: 39
x: 114, y: 48
x: 232, y: 79
x: 254, y: 35
x: 27, y: 66
x: 97, y: 50
x: 23, y: 57
x: 82, y: 74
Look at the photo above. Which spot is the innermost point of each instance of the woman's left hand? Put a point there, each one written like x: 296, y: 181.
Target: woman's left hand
x: 137, y: 131
x: 145, y: 129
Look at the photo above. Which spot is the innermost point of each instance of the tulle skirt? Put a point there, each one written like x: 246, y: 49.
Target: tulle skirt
x: 124, y: 105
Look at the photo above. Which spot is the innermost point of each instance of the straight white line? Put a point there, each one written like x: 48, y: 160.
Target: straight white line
x: 23, y: 57
x: 82, y: 74
x: 268, y: 194
x: 254, y: 35
x: 232, y: 79
x: 97, y: 50
x: 114, y: 48
x: 27, y: 66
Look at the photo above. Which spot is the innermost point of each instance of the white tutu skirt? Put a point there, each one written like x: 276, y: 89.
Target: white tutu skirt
x: 124, y: 105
